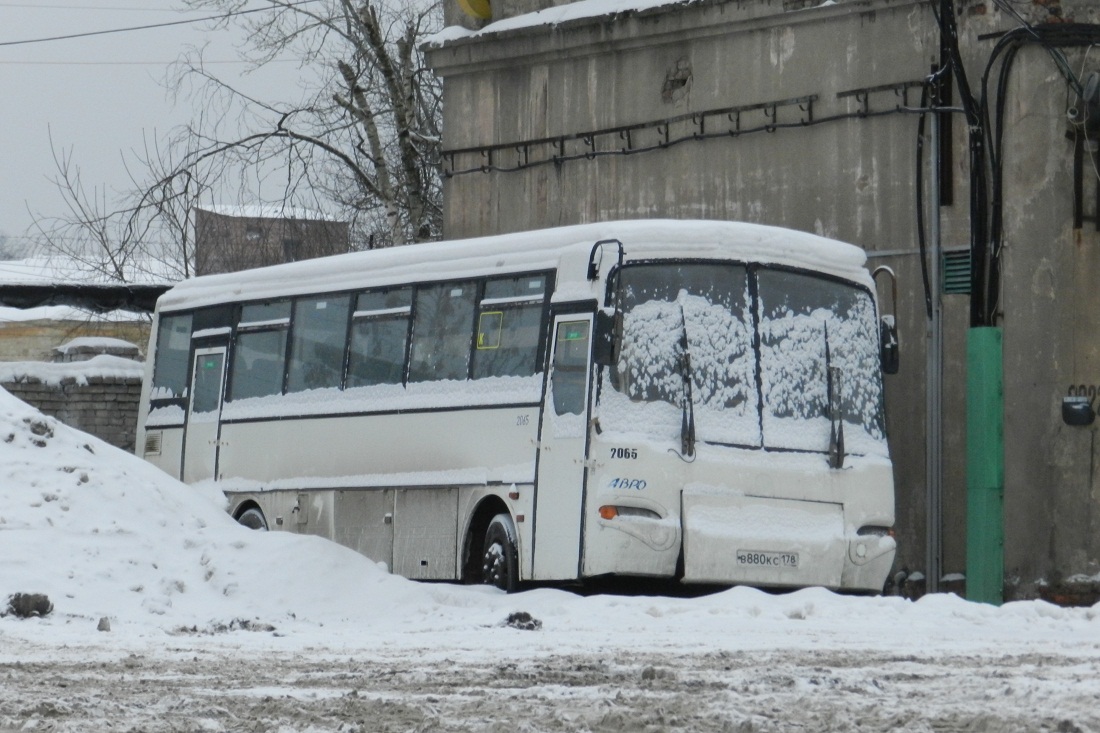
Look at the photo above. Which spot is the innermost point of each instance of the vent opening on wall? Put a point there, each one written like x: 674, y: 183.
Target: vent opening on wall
x: 956, y: 272
x: 152, y: 444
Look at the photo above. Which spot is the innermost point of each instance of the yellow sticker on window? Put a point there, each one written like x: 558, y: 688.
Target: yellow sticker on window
x: 489, y: 326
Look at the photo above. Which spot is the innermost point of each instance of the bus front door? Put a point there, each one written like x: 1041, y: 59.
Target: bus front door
x: 200, y: 441
x: 559, y: 487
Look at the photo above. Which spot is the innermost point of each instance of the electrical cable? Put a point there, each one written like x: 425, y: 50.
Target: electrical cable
x: 50, y: 6
x: 949, y: 32
x: 922, y: 244
x: 1051, y: 37
x: 166, y: 24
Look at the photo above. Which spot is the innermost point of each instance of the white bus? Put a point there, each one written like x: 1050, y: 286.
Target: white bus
x: 699, y: 401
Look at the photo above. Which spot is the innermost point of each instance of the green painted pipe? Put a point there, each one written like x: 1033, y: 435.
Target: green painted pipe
x: 985, y: 466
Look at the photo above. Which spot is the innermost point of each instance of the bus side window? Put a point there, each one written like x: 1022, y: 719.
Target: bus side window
x: 259, y: 351
x: 208, y: 383
x: 379, y: 337
x: 318, y: 334
x: 509, y: 325
x: 441, y: 332
x: 570, y: 371
x: 172, y: 357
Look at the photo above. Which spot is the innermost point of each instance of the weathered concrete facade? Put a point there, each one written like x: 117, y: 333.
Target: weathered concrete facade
x: 780, y: 113
x: 38, y: 339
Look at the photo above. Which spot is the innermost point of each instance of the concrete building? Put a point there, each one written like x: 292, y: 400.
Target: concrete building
x: 807, y: 115
x: 231, y: 238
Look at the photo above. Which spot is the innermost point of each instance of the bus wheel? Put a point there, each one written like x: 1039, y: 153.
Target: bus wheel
x: 499, y: 564
x: 253, y: 519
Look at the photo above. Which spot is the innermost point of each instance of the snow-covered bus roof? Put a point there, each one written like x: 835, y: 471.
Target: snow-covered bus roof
x: 564, y: 249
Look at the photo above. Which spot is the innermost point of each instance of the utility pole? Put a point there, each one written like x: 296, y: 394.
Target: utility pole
x: 934, y: 381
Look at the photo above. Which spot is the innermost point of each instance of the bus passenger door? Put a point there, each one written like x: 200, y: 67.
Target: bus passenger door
x: 563, y: 440
x: 200, y: 441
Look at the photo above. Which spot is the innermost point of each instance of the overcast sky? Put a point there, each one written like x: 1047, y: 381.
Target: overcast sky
x: 97, y: 96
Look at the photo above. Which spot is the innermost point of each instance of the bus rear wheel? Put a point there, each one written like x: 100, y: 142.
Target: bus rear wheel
x: 253, y: 518
x: 500, y: 562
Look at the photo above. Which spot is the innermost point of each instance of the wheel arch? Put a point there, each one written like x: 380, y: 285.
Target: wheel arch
x: 474, y: 543
x: 244, y: 506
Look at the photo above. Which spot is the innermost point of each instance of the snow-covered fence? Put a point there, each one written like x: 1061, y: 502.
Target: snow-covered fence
x: 99, y: 396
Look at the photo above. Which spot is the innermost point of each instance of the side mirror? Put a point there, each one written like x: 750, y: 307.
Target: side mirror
x: 890, y: 354
x: 605, y: 345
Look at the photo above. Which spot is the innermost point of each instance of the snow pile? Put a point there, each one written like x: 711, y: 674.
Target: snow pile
x: 104, y: 534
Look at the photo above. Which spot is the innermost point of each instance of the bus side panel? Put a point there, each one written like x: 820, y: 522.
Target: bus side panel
x: 163, y: 447
x: 494, y: 444
x: 363, y: 521
x: 425, y: 533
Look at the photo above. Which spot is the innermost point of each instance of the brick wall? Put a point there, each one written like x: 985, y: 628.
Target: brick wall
x: 105, y: 406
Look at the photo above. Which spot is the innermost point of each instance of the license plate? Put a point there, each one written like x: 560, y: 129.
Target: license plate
x: 761, y: 559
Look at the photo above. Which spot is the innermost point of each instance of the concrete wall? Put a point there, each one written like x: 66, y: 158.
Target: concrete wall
x: 36, y: 340
x: 516, y: 100
x: 1051, y: 304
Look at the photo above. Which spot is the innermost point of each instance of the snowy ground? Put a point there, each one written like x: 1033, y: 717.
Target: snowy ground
x: 214, y: 627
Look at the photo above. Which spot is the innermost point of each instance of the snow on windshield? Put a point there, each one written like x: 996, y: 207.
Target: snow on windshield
x: 708, y: 306
x: 651, y: 368
x: 808, y: 324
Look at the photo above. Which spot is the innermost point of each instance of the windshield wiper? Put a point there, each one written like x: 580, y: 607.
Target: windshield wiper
x: 687, y: 403
x: 836, y: 416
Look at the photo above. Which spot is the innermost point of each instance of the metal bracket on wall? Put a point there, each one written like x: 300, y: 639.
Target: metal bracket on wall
x: 900, y: 91
x: 626, y: 139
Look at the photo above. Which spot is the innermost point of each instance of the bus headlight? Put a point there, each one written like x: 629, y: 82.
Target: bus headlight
x: 610, y: 512
x: 646, y: 525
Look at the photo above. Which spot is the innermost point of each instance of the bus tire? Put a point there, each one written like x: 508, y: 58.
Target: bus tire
x: 253, y: 518
x: 500, y: 561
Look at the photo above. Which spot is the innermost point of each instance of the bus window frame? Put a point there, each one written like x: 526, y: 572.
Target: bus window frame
x: 287, y: 323
x: 378, y: 314
x: 247, y: 327
x: 505, y: 304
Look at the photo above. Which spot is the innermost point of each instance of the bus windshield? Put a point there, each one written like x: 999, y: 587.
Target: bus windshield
x: 760, y: 344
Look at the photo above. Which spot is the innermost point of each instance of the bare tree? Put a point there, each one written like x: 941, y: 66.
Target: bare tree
x: 138, y: 234
x: 364, y: 137
x: 8, y: 250
x: 360, y: 142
